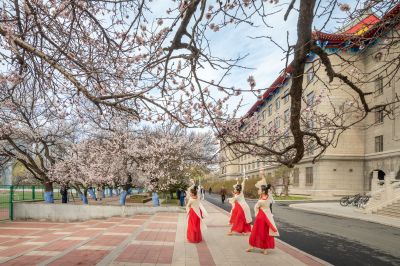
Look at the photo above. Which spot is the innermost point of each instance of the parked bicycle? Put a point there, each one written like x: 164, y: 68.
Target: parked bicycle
x: 362, y: 202
x: 357, y: 200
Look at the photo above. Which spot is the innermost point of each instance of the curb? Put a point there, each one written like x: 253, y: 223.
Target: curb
x: 365, y: 219
x: 282, y: 242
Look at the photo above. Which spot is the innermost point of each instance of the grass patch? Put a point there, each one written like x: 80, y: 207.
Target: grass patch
x: 138, y: 198
x: 170, y: 202
x: 291, y: 198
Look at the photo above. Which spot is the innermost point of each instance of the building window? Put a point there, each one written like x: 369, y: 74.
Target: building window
x: 310, y: 98
x: 310, y: 74
x: 286, y: 116
x: 286, y: 96
x: 309, y: 176
x: 379, y: 86
x: 277, y: 104
x: 263, y: 115
x: 379, y: 115
x: 270, y: 125
x: 379, y: 143
x: 309, y: 150
x: 270, y: 110
x: 277, y: 122
x: 296, y: 180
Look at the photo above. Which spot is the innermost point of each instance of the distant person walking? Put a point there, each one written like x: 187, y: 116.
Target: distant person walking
x: 99, y: 193
x: 223, y: 194
x: 155, y: 199
x: 203, y: 193
x: 209, y: 191
x: 182, y: 196
x: 64, y: 194
x: 270, y: 196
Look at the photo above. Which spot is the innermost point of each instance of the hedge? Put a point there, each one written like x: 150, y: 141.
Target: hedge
x: 250, y: 191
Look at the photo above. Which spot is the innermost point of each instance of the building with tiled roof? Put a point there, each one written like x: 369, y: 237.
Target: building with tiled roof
x: 369, y: 150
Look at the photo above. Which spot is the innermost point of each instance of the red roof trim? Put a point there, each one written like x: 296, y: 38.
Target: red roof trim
x: 275, y: 85
x: 338, y: 38
x: 366, y: 22
x: 334, y: 39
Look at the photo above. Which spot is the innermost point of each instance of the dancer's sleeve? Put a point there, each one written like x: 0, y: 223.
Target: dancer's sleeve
x: 256, y: 208
x: 188, y: 205
x: 232, y: 200
x: 190, y: 188
x: 272, y: 198
x: 204, y: 212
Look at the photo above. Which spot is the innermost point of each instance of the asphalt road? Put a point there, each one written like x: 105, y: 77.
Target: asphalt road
x: 337, y: 240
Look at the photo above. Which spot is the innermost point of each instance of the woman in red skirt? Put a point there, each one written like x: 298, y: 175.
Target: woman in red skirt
x: 264, y: 228
x: 196, y: 213
x: 240, y: 214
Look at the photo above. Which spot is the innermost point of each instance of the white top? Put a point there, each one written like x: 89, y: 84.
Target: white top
x: 195, y: 204
x: 264, y: 205
x: 242, y: 201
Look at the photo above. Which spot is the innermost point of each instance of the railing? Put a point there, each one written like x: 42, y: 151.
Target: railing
x: 384, y: 197
x: 11, y: 194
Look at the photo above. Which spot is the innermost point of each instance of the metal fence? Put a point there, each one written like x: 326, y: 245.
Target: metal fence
x: 11, y: 194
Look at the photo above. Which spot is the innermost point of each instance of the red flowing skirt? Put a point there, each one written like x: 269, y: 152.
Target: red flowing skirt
x: 238, y: 220
x: 193, y: 229
x: 259, y: 236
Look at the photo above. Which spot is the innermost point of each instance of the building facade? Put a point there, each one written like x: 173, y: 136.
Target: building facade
x: 372, y: 145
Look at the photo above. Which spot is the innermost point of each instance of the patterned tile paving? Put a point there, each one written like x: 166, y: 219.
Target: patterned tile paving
x: 157, y: 239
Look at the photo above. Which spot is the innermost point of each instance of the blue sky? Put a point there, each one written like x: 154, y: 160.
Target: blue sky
x: 265, y: 58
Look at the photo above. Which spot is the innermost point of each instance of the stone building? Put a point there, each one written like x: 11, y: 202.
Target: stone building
x: 368, y: 148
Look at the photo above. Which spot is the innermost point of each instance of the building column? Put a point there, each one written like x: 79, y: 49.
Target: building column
x: 388, y: 185
x: 374, y: 181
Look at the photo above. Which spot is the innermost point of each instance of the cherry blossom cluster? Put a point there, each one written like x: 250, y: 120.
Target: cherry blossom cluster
x: 151, y: 159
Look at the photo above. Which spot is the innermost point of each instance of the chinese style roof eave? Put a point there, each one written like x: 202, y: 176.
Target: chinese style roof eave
x: 365, y: 23
x: 275, y: 85
x: 337, y: 39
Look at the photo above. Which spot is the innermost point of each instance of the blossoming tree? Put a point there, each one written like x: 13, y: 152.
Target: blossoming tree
x: 153, y: 159
x: 123, y: 56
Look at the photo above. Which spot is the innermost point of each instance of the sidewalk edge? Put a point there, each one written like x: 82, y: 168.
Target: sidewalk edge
x: 282, y: 242
x: 366, y: 219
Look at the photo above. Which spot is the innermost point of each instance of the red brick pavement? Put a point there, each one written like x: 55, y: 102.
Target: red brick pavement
x: 156, y: 236
x: 107, y: 240
x: 147, y: 254
x: 138, y: 239
x: 89, y: 242
x: 81, y: 257
x: 59, y: 245
x: 205, y: 257
x: 26, y: 260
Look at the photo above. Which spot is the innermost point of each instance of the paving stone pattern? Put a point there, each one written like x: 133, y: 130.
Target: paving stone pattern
x: 158, y: 239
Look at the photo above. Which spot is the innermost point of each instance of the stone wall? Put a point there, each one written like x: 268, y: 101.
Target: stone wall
x: 70, y: 212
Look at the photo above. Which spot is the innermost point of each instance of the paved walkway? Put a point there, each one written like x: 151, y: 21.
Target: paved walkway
x: 139, y: 240
x: 335, y: 209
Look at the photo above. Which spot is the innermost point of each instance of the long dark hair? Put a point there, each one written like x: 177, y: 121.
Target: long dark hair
x: 194, y: 190
x: 238, y: 188
x: 265, y: 188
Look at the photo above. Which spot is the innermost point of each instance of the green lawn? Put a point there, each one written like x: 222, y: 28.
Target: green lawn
x: 24, y: 195
x: 291, y: 198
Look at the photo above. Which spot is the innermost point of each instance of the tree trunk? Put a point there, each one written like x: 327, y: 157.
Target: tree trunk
x: 48, y: 191
x: 84, y: 196
x: 126, y: 187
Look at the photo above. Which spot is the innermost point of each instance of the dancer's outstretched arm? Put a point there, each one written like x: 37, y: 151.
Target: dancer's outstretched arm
x: 243, y: 182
